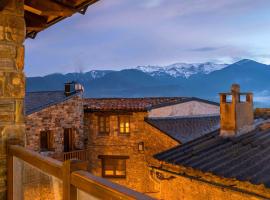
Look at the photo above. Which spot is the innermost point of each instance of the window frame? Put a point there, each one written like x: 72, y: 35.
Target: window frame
x: 49, y: 140
x: 119, y: 125
x: 106, y: 125
x: 114, y: 158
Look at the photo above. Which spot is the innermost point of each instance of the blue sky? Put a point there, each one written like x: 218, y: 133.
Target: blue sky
x: 117, y: 34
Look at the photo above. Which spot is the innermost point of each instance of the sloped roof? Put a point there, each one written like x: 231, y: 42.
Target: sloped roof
x: 36, y: 101
x: 245, y: 157
x: 185, y: 129
x: 135, y: 104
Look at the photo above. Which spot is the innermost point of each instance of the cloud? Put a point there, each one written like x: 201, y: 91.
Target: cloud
x: 152, y: 3
x: 203, y: 49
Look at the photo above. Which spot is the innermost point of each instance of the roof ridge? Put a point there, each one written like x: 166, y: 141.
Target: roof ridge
x: 184, y: 117
x: 45, y: 91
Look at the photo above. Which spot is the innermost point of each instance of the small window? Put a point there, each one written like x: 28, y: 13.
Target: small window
x: 104, y: 125
x: 46, y: 141
x: 124, y: 124
x: 114, y: 166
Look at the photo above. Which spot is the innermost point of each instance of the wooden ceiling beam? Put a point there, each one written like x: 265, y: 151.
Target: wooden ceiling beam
x: 3, y: 3
x: 34, y: 22
x: 47, y: 8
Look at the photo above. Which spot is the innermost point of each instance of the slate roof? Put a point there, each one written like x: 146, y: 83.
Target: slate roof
x: 36, y: 101
x: 245, y: 157
x: 135, y: 104
x: 185, y: 129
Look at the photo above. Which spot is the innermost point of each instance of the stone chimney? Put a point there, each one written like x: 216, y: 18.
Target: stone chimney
x: 236, y: 112
x: 73, y: 88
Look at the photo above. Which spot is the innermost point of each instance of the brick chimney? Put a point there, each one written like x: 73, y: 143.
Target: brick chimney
x: 73, y: 88
x: 236, y: 112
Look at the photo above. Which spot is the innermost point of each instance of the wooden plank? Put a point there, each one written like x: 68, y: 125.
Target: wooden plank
x: 47, y: 8
x: 103, y: 189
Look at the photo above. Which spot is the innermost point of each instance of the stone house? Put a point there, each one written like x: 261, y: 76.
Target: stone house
x: 125, y: 133
x: 54, y: 120
x: 229, y: 163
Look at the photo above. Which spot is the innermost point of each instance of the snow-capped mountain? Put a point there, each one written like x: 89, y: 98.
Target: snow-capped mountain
x: 182, y: 69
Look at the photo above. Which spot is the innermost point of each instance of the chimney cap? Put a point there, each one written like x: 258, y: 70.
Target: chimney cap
x: 235, y: 88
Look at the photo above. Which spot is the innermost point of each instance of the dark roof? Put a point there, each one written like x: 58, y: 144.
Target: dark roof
x: 185, y: 129
x: 36, y: 101
x: 245, y: 157
x: 135, y: 104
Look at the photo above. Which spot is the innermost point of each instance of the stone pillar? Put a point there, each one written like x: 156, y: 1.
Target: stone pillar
x: 12, y: 82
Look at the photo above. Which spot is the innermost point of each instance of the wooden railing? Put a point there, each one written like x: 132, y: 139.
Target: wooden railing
x: 78, y: 154
x: 70, y: 179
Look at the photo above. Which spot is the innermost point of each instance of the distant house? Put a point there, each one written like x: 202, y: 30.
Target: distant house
x: 54, y: 120
x: 125, y: 133
x: 229, y: 163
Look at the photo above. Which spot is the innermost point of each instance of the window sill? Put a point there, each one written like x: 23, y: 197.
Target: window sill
x: 116, y: 177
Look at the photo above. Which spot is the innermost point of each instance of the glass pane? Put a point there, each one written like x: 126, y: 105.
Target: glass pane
x: 120, y: 173
x: 32, y: 184
x: 81, y: 195
x: 109, y: 172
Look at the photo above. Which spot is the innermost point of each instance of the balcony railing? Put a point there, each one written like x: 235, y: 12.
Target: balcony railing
x: 78, y: 154
x: 32, y: 176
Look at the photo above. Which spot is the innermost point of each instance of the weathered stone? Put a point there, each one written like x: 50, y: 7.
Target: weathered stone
x: 14, y: 85
x: 6, y: 105
x: 20, y: 58
x: 7, y: 51
x: 12, y: 28
x: 7, y: 64
x: 19, y: 114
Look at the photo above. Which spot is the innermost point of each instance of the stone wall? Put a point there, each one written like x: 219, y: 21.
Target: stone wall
x: 137, y: 177
x: 190, y: 108
x: 68, y: 114
x: 12, y: 81
x: 184, y: 188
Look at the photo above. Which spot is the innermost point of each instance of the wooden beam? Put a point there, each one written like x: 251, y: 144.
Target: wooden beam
x: 3, y: 3
x: 47, y: 8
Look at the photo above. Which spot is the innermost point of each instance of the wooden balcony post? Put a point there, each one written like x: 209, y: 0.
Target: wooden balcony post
x: 12, y: 81
x: 69, y: 166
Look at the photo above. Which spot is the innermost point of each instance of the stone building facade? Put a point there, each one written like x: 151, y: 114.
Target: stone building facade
x: 122, y: 143
x: 54, y: 121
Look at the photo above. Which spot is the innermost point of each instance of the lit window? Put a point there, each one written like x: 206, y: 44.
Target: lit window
x: 114, y: 166
x: 104, y: 125
x: 124, y: 124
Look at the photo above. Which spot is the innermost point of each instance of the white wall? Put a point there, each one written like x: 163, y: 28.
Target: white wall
x: 185, y: 109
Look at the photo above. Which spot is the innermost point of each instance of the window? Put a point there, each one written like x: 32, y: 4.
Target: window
x: 69, y: 139
x: 124, y: 124
x: 114, y: 166
x: 46, y: 141
x: 103, y: 125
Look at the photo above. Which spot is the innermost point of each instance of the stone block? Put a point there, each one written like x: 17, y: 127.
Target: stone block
x: 14, y: 85
x: 7, y: 51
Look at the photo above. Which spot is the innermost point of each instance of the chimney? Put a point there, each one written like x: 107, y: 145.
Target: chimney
x: 236, y: 112
x: 73, y: 88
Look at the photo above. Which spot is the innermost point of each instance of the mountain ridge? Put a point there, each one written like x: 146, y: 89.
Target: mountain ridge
x: 138, y: 83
